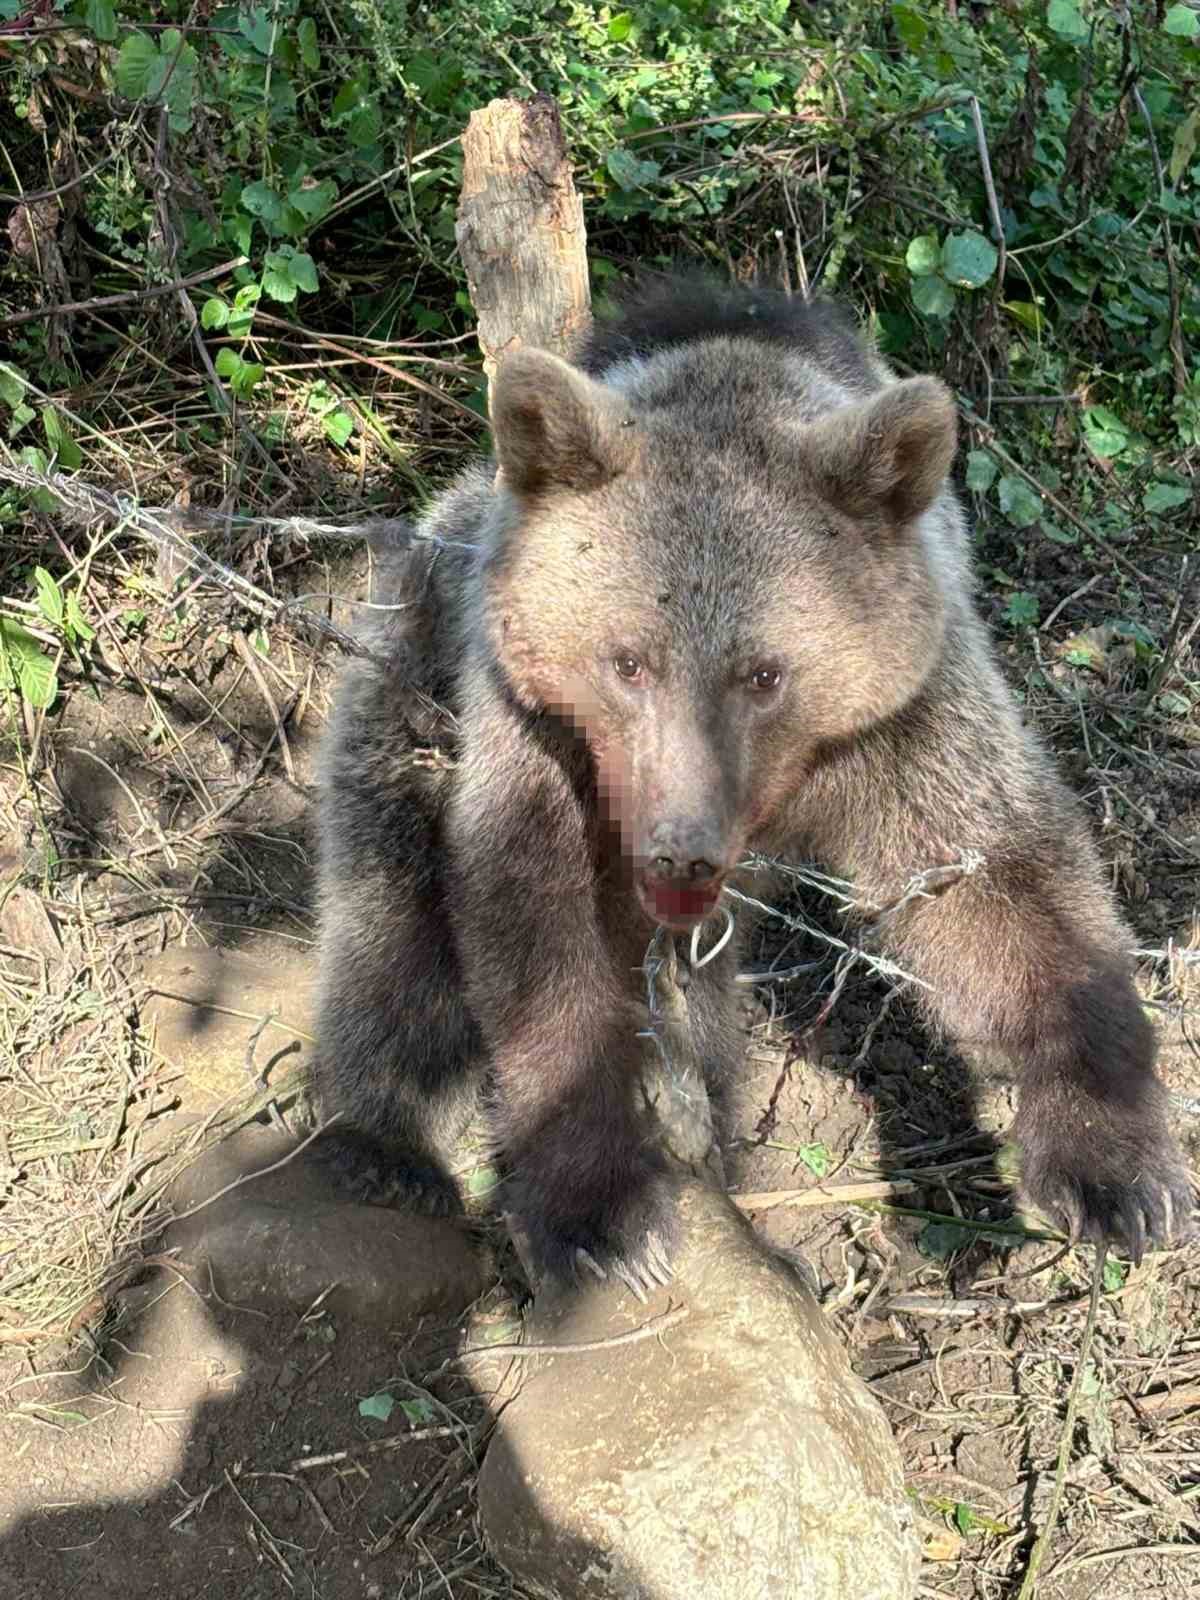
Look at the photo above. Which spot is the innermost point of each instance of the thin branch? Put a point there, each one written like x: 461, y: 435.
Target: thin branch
x: 1038, y: 1554
x: 130, y: 297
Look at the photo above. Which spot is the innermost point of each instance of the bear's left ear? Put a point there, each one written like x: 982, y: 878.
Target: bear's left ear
x: 556, y: 427
x: 887, y: 455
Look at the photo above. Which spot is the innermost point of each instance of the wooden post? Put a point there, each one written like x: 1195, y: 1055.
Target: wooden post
x: 520, y: 230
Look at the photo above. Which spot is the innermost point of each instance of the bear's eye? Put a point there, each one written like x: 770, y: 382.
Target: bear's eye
x: 764, y: 679
x: 627, y: 666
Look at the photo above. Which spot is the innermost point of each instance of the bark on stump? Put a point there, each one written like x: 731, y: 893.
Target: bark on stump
x: 520, y: 230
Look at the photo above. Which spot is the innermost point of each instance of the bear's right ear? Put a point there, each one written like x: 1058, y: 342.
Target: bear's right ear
x: 555, y: 427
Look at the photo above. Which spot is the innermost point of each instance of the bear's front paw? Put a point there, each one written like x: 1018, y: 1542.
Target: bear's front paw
x: 1112, y: 1176
x: 631, y: 1238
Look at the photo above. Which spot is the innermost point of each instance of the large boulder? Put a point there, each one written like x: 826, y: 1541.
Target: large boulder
x: 735, y: 1456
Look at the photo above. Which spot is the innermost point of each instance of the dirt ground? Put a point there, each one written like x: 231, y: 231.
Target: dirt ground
x: 162, y: 1434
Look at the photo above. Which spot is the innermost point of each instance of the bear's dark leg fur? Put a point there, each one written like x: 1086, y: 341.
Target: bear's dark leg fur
x: 398, y: 1054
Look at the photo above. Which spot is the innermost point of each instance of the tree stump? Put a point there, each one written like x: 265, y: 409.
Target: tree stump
x: 520, y: 230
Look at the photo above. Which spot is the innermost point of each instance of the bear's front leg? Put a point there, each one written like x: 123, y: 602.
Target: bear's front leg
x: 1024, y: 953
x: 559, y: 1004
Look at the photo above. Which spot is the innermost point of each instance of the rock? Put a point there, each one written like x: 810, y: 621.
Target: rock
x: 735, y: 1456
x: 277, y: 1242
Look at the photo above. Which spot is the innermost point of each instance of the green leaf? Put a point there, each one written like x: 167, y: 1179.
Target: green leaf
x: 1182, y: 21
x: 12, y: 387
x: 912, y: 29
x: 137, y: 60
x: 277, y: 280
x: 1065, y: 18
x: 256, y: 26
x: 933, y: 297
x: 968, y: 260
x: 262, y: 201
x: 76, y: 622
x: 49, y: 596
x: 940, y: 1240
x: 60, y: 441
x: 306, y: 36
x: 314, y: 200
x: 99, y: 16
x: 1114, y: 1274
x: 214, y: 314
x: 628, y: 171
x: 1022, y: 609
x: 228, y: 362
x: 924, y: 255
x: 338, y: 426
x: 483, y: 1180
x: 1104, y: 433
x: 418, y: 1412
x: 620, y: 27
x: 1027, y: 313
x: 1161, y: 497
x: 981, y: 472
x: 818, y: 1158
x: 25, y: 666
x: 380, y: 1406
x: 1183, y: 146
x: 304, y: 272
x: 964, y: 1519
x: 1020, y: 504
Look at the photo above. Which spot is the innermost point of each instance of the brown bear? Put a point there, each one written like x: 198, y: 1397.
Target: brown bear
x: 716, y: 600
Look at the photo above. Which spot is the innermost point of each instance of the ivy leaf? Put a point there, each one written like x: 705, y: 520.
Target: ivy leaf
x: 214, y: 313
x: 1019, y: 503
x: 933, y: 297
x: 924, y: 255
x: 100, y: 17
x: 1065, y: 18
x: 981, y: 472
x: 1182, y: 21
x: 968, y: 260
x: 620, y: 27
x: 137, y: 60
